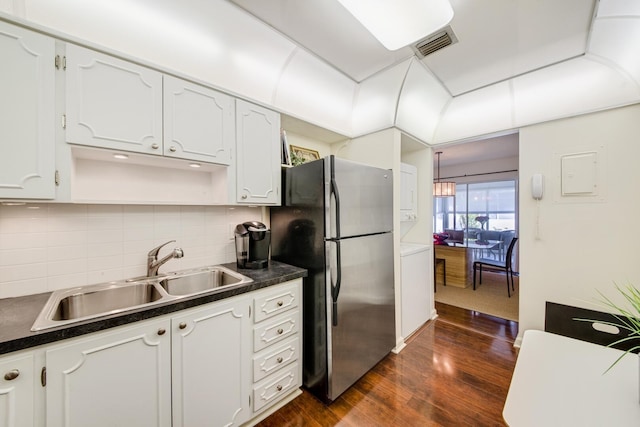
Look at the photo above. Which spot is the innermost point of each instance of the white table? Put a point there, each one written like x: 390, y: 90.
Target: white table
x: 559, y: 381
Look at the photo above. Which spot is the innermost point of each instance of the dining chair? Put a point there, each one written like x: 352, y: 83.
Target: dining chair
x: 437, y: 261
x: 505, y: 265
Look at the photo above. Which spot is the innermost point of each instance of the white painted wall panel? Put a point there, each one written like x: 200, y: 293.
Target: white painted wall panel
x: 578, y: 86
x: 483, y: 111
x: 377, y: 99
x: 421, y: 103
x: 584, y: 245
x: 313, y: 91
x: 605, y: 43
x: 213, y: 41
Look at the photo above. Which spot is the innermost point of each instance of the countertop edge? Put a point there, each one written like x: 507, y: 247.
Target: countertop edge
x: 16, y: 321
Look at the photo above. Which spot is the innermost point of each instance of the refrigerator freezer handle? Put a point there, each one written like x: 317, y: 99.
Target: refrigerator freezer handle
x: 335, y: 289
x: 336, y: 194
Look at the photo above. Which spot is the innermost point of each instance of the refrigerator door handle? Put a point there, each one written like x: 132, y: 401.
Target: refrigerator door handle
x: 336, y: 195
x: 335, y: 288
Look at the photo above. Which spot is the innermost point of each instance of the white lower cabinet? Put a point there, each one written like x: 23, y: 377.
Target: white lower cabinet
x: 277, y: 371
x: 17, y: 391
x: 210, y: 353
x: 227, y: 363
x: 115, y: 378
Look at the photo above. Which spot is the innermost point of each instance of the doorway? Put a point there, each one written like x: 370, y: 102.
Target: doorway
x: 479, y: 222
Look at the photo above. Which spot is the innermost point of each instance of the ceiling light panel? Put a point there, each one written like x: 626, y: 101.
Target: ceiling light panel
x: 397, y: 24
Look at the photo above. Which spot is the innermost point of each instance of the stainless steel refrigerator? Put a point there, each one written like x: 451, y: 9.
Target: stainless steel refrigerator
x: 336, y: 221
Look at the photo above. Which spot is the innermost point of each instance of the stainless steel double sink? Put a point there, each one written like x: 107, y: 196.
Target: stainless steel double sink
x: 72, y: 305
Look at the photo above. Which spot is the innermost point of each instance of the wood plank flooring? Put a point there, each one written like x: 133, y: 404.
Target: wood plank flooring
x: 455, y: 371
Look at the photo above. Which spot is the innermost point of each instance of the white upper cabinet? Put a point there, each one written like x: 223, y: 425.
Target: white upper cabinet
x: 119, y: 105
x: 198, y: 122
x: 112, y: 103
x: 27, y: 114
x: 408, y: 192
x: 258, y: 159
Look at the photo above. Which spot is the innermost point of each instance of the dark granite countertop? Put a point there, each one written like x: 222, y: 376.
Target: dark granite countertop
x: 18, y: 314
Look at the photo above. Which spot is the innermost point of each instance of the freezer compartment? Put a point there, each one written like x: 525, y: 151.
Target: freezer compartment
x: 360, y: 200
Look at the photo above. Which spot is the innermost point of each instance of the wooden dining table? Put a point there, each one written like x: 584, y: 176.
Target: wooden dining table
x: 459, y: 259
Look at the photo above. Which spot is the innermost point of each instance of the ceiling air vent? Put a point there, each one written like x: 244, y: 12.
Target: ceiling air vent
x: 435, y: 42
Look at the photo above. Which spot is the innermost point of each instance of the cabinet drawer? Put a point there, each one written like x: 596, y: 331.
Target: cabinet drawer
x: 276, y: 301
x: 276, y: 330
x: 274, y: 359
x: 276, y: 386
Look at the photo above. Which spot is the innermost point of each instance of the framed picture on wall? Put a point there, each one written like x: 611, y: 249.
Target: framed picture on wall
x: 301, y: 155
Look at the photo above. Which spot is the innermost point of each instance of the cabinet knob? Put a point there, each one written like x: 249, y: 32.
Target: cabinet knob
x: 244, y: 196
x: 279, y: 359
x: 172, y: 149
x: 12, y: 375
x: 155, y: 146
x: 280, y: 331
x: 182, y: 325
x: 279, y: 387
x: 280, y: 303
x: 161, y: 331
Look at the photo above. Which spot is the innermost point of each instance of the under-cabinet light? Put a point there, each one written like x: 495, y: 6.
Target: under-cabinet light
x: 399, y: 23
x: 120, y: 156
x: 194, y: 165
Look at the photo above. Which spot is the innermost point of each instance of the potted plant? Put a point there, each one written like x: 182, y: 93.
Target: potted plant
x: 627, y: 318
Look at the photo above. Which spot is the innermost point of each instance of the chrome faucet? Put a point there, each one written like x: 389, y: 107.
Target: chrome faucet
x: 152, y: 258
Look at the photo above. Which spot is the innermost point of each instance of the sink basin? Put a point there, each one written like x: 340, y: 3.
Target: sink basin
x: 202, y: 280
x: 106, y: 300
x: 73, y: 305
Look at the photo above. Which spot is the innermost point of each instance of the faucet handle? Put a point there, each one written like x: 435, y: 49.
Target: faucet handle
x: 153, y: 253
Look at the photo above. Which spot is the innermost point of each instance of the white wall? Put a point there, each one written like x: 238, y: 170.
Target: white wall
x: 474, y: 167
x: 585, y: 244
x: 44, y: 247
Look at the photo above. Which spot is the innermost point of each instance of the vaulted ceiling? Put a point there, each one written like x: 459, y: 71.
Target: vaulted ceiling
x: 516, y: 62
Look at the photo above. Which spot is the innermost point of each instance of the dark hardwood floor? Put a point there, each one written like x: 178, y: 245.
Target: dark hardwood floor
x: 455, y: 371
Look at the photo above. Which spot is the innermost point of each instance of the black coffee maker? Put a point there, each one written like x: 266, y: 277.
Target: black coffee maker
x: 253, y: 241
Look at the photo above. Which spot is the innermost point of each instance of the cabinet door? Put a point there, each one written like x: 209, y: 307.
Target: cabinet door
x: 27, y: 115
x: 198, y: 122
x: 258, y: 160
x: 112, y: 103
x: 17, y: 396
x: 408, y: 192
x: 120, y: 378
x: 211, y: 361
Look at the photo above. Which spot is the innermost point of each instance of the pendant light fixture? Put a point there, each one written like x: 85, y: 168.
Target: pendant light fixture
x: 443, y: 189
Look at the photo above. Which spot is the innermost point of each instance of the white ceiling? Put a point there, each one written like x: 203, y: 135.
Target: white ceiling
x: 517, y: 62
x: 497, y: 39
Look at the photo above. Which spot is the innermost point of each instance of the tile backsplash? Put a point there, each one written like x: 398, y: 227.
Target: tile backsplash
x: 44, y: 247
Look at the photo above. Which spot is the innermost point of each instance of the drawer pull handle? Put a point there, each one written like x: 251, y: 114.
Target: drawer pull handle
x: 182, y: 325
x: 161, y: 331
x: 279, y: 388
x: 12, y: 375
x: 279, y: 359
x: 280, y: 303
x: 280, y: 331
